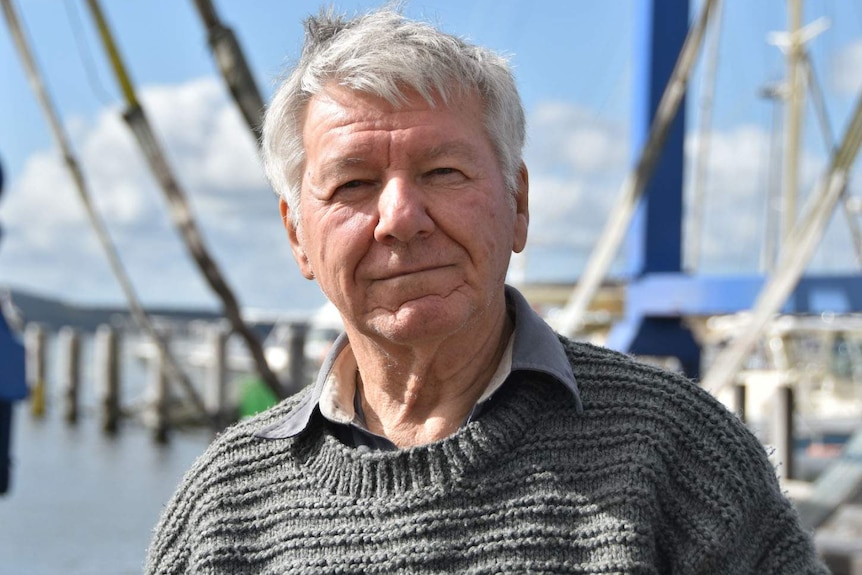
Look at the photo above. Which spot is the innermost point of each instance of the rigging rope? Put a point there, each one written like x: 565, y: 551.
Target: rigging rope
x: 826, y: 129
x: 96, y: 85
x: 692, y: 259
x: 572, y: 316
x: 233, y: 66
x: 795, y: 255
x: 180, y: 212
x: 170, y: 365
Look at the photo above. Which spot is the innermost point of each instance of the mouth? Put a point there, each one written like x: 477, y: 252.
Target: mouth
x: 396, y: 274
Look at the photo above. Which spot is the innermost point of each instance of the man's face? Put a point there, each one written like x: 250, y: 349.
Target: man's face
x: 405, y: 219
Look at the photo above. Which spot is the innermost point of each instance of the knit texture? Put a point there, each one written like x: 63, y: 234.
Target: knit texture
x: 654, y: 477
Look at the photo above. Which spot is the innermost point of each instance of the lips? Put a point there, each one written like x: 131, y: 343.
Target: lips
x: 400, y: 273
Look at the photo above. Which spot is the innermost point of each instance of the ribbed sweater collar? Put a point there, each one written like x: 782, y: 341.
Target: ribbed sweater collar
x: 359, y: 473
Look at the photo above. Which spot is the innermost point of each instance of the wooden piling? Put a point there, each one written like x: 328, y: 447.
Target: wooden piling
x: 296, y: 357
x: 739, y: 400
x: 215, y: 397
x: 69, y: 347
x: 35, y: 346
x: 108, y: 377
x: 784, y: 436
x: 158, y: 398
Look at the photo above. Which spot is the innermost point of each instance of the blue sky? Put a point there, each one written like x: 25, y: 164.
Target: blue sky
x: 573, y: 62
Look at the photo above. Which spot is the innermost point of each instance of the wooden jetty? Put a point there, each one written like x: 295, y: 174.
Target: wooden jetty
x: 117, y: 354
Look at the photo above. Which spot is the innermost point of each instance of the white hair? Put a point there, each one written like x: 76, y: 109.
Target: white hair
x: 385, y: 54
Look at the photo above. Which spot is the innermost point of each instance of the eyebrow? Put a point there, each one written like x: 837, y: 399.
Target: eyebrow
x: 333, y: 168
x: 459, y: 148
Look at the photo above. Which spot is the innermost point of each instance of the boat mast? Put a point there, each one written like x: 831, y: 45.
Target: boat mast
x: 795, y: 99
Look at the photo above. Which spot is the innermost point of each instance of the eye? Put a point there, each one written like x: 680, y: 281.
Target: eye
x: 348, y: 191
x: 442, y: 171
x: 444, y: 175
x: 350, y: 184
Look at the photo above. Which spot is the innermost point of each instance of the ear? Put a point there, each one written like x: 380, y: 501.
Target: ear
x: 295, y: 240
x: 522, y: 210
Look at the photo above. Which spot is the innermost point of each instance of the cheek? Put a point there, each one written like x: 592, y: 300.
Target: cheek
x: 498, y: 217
x: 502, y: 238
x: 341, y: 238
x: 484, y: 231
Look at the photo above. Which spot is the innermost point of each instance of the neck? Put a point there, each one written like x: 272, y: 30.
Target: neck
x: 415, y: 395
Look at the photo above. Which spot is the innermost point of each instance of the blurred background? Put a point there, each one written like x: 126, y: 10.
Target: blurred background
x: 107, y: 428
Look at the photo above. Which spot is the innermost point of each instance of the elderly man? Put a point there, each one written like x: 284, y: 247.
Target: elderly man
x: 450, y: 430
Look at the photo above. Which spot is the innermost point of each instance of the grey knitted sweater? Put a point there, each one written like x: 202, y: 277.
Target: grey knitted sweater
x: 653, y: 477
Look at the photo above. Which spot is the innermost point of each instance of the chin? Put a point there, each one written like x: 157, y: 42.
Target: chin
x: 415, y: 323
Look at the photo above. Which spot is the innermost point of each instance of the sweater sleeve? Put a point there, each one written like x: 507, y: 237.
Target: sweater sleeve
x: 172, y: 543
x: 724, y: 507
x: 182, y: 536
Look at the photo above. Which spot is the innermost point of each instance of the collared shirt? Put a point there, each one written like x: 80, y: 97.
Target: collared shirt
x: 341, y: 405
x: 532, y: 348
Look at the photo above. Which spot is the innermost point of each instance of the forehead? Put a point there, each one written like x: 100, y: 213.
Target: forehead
x: 340, y: 118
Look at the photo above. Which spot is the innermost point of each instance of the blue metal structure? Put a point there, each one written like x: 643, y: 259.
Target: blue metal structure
x: 13, y: 387
x: 659, y: 294
x: 655, y: 235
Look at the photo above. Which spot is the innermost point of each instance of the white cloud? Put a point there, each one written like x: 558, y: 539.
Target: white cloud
x: 847, y: 69
x: 733, y: 199
x: 219, y: 154
x: 577, y: 162
x: 575, y: 140
x: 116, y: 172
x: 48, y: 244
x: 736, y: 210
x: 572, y: 193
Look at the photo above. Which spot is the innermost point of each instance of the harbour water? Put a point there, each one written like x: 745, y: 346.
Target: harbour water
x: 82, y: 503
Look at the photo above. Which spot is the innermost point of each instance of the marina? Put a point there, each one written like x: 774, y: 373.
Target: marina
x: 111, y: 404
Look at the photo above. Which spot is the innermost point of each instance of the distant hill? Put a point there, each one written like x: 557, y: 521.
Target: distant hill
x: 23, y: 307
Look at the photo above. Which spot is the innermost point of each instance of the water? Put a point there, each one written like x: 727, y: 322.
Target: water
x: 82, y: 503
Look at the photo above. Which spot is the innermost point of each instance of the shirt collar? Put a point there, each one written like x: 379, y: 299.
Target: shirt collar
x: 535, y: 348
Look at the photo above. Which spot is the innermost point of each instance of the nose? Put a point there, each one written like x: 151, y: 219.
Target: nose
x: 402, y: 212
